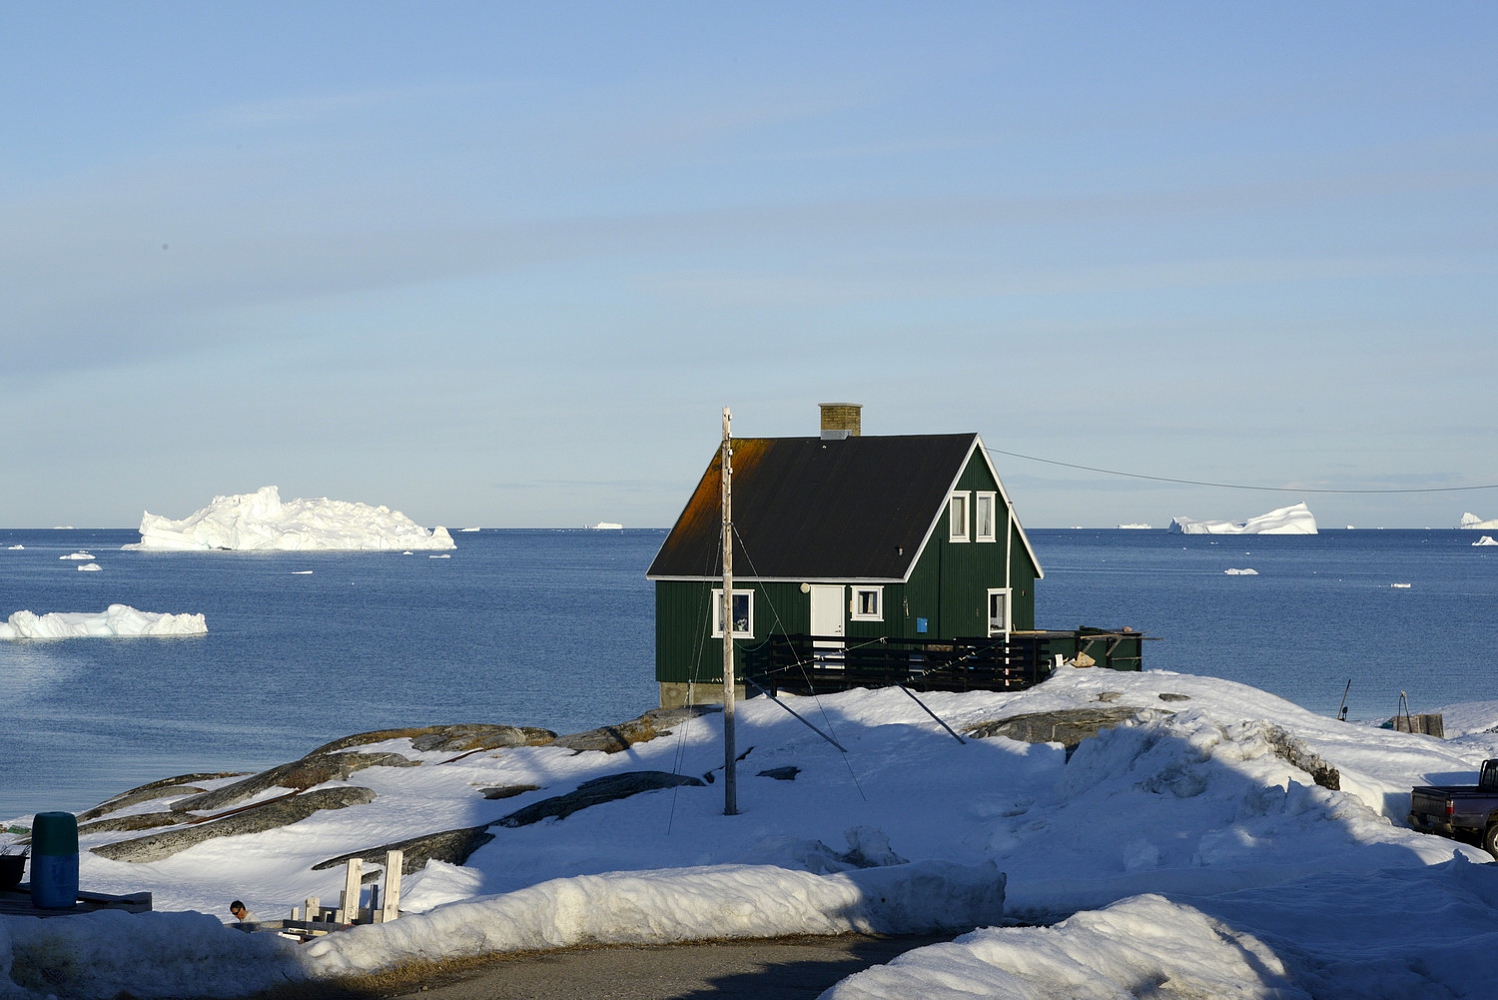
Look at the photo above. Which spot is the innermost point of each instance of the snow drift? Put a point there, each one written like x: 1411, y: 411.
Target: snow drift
x: 260, y: 521
x: 155, y: 955
x: 1296, y: 519
x: 118, y: 620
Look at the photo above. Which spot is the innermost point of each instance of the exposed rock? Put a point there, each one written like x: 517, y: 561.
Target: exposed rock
x: 455, y: 738
x: 452, y: 846
x: 1295, y: 753
x: 591, y: 793
x: 135, y: 821
x: 254, y: 820
x: 299, y: 775
x: 1109, y: 696
x: 1172, y: 696
x: 1067, y: 726
x: 154, y: 790
x: 786, y: 773
x: 654, y: 723
x: 508, y: 791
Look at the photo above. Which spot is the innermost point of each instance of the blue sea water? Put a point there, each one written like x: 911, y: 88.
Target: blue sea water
x: 555, y: 629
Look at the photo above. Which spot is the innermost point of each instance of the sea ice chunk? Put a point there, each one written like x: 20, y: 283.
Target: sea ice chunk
x: 1296, y: 519
x: 80, y: 556
x: 260, y: 521
x: 1486, y: 540
x: 117, y: 620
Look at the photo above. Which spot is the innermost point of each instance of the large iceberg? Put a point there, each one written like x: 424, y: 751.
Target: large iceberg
x: 259, y: 521
x: 1296, y: 519
x: 117, y: 620
x: 1471, y: 520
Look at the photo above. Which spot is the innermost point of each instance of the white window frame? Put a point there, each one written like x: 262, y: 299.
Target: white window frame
x: 965, y: 534
x: 1007, y: 594
x: 992, y: 534
x: 717, y: 613
x: 853, y: 605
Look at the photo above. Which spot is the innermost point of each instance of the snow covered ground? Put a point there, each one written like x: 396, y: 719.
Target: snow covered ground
x: 118, y: 620
x: 1296, y: 519
x: 261, y: 521
x: 1190, y: 848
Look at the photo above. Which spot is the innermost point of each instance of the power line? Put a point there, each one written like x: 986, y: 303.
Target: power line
x: 1234, y: 486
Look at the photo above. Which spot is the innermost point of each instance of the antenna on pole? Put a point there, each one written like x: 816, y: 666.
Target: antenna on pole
x: 730, y: 777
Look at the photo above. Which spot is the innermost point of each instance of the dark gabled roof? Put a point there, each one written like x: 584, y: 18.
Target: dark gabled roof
x: 808, y: 509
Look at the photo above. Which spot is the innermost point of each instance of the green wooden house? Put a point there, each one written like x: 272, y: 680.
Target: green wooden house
x: 851, y: 542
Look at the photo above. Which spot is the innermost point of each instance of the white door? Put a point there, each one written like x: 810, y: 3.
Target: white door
x: 828, y: 613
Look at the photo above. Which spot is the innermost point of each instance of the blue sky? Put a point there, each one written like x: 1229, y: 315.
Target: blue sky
x: 503, y: 264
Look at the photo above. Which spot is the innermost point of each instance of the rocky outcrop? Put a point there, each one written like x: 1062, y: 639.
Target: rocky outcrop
x: 453, y: 739
x: 508, y: 791
x: 599, y: 790
x: 299, y: 775
x: 135, y: 821
x: 257, y: 819
x: 1294, y: 752
x: 452, y: 846
x: 180, y: 785
x: 653, y: 724
x: 1067, y: 726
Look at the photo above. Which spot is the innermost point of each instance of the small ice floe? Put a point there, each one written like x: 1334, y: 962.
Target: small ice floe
x: 90, y: 568
x: 1484, y: 540
x: 442, y: 556
x: 301, y: 572
x: 118, y: 620
x: 469, y: 530
x: 1400, y: 586
x: 408, y: 552
x: 79, y: 556
x: 15, y: 548
x: 1241, y: 572
x: 607, y: 526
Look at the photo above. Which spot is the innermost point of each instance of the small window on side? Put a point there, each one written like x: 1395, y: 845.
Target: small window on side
x: 867, y: 604
x: 957, y: 529
x: 743, y: 614
x: 985, y: 528
x: 998, y: 612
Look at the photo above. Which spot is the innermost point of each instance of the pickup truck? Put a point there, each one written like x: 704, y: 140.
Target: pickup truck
x: 1463, y: 812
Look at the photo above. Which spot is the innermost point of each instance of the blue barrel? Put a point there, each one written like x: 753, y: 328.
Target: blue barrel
x: 54, y: 860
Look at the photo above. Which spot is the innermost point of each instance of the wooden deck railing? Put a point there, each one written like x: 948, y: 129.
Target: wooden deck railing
x: 806, y: 664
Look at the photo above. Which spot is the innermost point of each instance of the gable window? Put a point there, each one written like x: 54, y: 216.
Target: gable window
x: 998, y: 612
x: 985, y: 526
x: 867, y: 604
x: 957, y: 518
x: 743, y: 614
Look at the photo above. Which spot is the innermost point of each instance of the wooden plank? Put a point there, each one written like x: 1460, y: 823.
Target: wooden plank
x: 393, y: 862
x: 353, y: 883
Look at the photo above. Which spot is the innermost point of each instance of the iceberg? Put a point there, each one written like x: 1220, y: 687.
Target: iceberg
x: 1485, y: 540
x: 1296, y: 519
x: 1135, y: 526
x: 79, y: 556
x: 90, y: 567
x: 117, y: 620
x: 1241, y: 572
x: 1471, y: 520
x: 260, y: 521
x: 607, y: 526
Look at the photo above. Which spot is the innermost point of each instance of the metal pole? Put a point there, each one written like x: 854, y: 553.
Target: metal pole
x: 730, y: 776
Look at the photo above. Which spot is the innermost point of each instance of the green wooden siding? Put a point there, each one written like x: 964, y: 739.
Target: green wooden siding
x: 948, y: 586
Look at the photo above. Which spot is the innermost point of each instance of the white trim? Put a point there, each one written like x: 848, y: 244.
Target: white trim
x: 717, y: 616
x: 1029, y: 549
x: 877, y: 615
x: 966, y: 496
x: 993, y: 511
x: 1008, y: 595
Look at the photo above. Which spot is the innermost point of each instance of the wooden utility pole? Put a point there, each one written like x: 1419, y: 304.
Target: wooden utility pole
x: 730, y: 778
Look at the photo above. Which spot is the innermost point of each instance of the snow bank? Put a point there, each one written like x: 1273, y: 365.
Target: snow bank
x: 187, y: 954
x: 1386, y: 935
x: 117, y: 620
x: 1296, y: 519
x: 1471, y: 520
x: 260, y: 521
